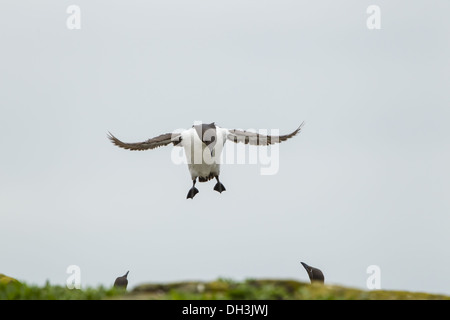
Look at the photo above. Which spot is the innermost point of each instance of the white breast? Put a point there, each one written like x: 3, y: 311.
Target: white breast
x: 201, y: 162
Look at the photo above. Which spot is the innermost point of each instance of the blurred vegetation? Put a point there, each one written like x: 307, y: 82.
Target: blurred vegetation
x: 268, y: 289
x: 221, y: 289
x: 11, y: 289
x: 5, y: 279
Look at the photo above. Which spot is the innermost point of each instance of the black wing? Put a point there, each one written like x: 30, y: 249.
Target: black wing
x: 161, y: 140
x: 257, y: 139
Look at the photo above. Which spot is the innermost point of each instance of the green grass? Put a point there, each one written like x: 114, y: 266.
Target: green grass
x: 221, y: 289
x: 20, y: 291
x: 11, y: 289
x: 268, y: 289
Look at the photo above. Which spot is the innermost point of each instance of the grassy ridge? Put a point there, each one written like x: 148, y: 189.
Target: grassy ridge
x: 268, y: 289
x: 221, y: 289
x: 11, y: 289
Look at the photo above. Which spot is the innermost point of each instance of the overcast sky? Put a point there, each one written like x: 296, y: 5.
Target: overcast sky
x: 365, y: 183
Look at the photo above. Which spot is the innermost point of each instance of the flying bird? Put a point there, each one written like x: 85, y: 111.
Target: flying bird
x: 314, y: 273
x: 121, y: 282
x: 203, y: 144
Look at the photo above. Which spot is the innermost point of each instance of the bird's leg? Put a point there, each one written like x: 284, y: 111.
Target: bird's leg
x: 193, y: 191
x: 219, y: 187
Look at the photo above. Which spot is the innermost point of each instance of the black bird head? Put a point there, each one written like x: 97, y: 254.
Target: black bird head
x: 207, y: 133
x: 122, y: 281
x: 314, y: 273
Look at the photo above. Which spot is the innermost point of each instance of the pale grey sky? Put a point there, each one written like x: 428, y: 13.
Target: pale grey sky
x: 365, y: 183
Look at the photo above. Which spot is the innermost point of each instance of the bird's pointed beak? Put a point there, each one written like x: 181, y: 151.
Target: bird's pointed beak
x: 305, y: 265
x: 126, y: 274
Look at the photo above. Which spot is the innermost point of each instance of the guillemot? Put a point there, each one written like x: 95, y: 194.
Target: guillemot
x: 314, y: 273
x: 122, y: 282
x: 203, y: 144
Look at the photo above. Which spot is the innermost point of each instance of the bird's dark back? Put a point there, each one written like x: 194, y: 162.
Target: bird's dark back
x: 317, y: 275
x: 121, y: 282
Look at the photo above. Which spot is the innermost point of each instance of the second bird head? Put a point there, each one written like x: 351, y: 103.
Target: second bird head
x: 314, y: 273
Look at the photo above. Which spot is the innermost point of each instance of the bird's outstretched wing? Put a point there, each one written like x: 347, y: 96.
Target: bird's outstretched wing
x: 257, y: 139
x: 161, y: 140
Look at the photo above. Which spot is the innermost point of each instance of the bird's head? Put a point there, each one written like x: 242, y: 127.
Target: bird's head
x: 313, y: 273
